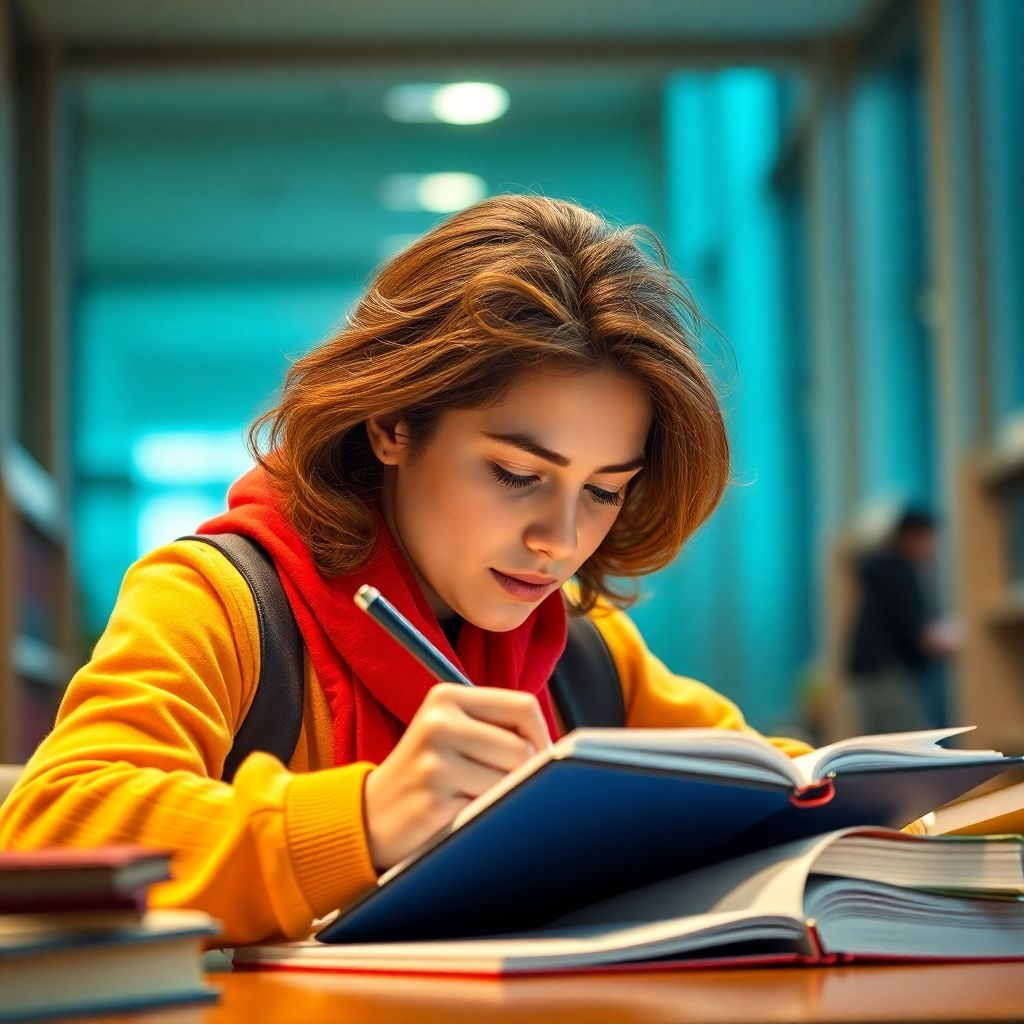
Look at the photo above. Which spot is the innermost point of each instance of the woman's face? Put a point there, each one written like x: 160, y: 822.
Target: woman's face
x: 505, y: 503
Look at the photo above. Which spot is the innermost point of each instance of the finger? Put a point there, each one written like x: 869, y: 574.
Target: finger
x: 507, y: 708
x: 469, y: 778
x: 492, y: 745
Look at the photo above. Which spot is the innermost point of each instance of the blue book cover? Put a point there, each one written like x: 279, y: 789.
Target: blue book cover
x: 589, y: 820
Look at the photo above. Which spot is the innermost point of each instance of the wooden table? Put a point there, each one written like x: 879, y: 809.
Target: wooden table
x: 933, y: 992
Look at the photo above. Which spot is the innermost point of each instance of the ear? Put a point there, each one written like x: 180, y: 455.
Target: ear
x: 389, y: 437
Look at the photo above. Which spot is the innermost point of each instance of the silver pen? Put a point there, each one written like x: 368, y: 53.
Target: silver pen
x: 387, y: 616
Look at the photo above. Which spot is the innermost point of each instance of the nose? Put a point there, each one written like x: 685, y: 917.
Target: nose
x: 553, y: 530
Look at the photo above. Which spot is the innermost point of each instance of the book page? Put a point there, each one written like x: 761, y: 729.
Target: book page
x: 561, y: 946
x: 950, y: 864
x: 870, y: 919
x: 768, y: 882
x: 774, y: 881
x: 888, y: 750
x: 728, y: 752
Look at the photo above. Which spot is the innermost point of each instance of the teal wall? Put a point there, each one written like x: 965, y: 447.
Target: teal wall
x: 222, y: 232
x: 167, y: 357
x: 734, y: 609
x: 896, y: 384
x: 224, y: 227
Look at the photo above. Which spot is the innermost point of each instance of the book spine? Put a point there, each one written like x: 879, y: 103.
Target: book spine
x: 37, y: 903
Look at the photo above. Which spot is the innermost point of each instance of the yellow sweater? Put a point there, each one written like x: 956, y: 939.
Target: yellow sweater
x: 142, y: 733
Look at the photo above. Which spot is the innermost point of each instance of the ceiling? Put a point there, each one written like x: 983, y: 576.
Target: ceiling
x: 274, y: 23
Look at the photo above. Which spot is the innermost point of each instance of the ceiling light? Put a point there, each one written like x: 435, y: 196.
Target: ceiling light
x: 436, y: 193
x: 456, y: 103
x: 470, y: 102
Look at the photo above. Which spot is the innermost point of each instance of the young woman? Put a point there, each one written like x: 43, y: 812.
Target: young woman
x: 516, y: 402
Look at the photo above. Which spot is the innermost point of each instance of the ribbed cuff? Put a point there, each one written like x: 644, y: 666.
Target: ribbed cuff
x: 327, y: 836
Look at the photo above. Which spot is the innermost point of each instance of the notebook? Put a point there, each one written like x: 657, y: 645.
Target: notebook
x: 609, y: 810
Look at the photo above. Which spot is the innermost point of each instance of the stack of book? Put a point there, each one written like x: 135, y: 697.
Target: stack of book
x: 622, y: 849
x: 76, y: 937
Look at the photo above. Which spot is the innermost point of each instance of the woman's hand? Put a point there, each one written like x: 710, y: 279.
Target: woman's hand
x: 461, y: 742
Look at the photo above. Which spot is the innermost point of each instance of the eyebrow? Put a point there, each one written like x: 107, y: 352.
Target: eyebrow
x: 529, y: 444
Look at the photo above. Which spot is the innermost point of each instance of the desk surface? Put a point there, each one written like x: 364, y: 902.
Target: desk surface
x: 933, y: 992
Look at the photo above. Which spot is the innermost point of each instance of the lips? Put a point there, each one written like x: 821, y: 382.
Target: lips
x: 537, y: 581
x: 522, y: 588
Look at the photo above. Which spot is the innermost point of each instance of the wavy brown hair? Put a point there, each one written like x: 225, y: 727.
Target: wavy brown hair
x: 514, y: 283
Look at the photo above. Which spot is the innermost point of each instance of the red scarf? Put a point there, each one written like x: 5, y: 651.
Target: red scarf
x: 373, y: 686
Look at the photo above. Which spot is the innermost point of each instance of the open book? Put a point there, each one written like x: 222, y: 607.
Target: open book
x: 609, y: 810
x: 729, y: 754
x: 847, y: 895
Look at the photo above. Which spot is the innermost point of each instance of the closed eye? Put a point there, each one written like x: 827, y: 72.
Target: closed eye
x: 503, y: 476
x: 517, y: 480
x: 603, y: 497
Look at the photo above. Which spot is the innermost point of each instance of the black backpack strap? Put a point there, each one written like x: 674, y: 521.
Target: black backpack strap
x: 585, y: 684
x: 274, y: 718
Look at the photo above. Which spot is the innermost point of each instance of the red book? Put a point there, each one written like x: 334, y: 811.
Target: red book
x: 79, y: 878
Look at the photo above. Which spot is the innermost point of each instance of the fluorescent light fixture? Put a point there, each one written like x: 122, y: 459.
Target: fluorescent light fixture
x: 190, y: 457
x: 455, y: 103
x: 436, y: 193
x: 446, y: 193
x: 470, y: 102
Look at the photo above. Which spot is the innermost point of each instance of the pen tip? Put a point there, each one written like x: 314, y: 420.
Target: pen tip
x: 365, y: 595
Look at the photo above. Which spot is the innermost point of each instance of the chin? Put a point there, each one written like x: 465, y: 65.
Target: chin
x: 501, y: 620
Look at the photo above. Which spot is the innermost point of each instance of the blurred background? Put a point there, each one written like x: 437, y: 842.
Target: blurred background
x: 194, y: 193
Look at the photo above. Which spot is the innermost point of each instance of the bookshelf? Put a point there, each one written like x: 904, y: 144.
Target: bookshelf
x: 992, y: 571
x: 37, y: 662
x: 36, y: 593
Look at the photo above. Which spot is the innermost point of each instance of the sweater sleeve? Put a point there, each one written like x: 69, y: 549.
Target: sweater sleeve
x: 137, y: 750
x: 657, y: 698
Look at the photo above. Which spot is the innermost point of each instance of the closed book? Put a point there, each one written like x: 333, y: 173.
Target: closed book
x: 846, y: 896
x: 86, y: 878
x: 609, y: 810
x: 54, y: 964
x: 996, y: 810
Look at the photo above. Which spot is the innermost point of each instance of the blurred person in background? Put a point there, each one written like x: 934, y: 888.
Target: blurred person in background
x: 897, y: 642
